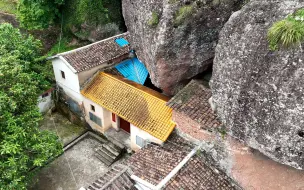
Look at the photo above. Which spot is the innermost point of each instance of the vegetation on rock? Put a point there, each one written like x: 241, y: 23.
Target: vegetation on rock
x: 153, y: 22
x: 288, y: 32
x: 183, y: 12
x: 22, y: 145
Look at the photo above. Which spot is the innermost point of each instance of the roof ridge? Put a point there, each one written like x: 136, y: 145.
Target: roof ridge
x: 115, y: 78
x: 86, y: 46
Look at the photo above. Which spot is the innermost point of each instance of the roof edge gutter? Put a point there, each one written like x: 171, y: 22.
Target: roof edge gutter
x: 170, y: 175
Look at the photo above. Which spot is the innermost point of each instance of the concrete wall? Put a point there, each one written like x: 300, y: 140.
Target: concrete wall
x: 100, y: 112
x: 85, y: 75
x: 135, y: 131
x: 70, y: 84
x: 44, y: 104
x: 249, y: 168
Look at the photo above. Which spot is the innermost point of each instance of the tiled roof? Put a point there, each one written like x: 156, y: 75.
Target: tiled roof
x: 193, y: 102
x: 197, y: 175
x: 117, y: 178
x: 153, y: 163
x: 96, y: 54
x: 139, y: 105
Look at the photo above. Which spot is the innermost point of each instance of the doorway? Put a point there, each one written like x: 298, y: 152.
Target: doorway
x: 124, y: 125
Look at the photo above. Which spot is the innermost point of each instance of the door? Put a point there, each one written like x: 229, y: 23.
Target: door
x: 124, y: 125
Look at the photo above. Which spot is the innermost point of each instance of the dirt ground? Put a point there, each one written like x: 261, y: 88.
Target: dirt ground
x: 58, y: 124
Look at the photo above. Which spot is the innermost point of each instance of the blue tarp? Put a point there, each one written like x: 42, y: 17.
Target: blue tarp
x: 133, y: 70
x: 122, y: 42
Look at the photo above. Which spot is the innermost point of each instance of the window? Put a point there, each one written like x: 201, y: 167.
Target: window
x: 140, y: 141
x: 93, y: 108
x: 62, y: 74
x: 113, y: 117
x: 95, y: 119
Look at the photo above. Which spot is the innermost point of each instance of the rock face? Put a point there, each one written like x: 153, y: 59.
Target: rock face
x: 176, y: 39
x: 259, y: 94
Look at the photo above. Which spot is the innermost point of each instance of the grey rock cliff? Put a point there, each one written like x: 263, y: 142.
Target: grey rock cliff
x: 176, y: 39
x: 259, y: 94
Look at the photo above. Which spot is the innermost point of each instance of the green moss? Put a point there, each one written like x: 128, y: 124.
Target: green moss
x: 8, y: 6
x: 288, y: 32
x: 182, y: 14
x: 173, y: 1
x: 153, y: 22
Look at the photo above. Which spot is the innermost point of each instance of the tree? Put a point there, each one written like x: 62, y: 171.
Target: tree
x: 22, y: 145
x: 38, y: 14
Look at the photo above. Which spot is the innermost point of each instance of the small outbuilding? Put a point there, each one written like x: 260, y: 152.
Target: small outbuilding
x: 115, y: 102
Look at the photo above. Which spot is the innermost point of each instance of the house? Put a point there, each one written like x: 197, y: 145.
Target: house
x: 114, y: 102
x: 175, y: 165
x: 73, y: 68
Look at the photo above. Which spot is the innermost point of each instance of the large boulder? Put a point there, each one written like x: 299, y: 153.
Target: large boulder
x: 176, y: 39
x: 258, y: 93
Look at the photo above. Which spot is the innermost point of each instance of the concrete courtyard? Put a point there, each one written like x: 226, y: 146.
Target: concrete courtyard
x: 76, y: 168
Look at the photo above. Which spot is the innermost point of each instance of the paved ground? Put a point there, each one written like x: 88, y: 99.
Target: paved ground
x: 78, y: 160
x: 65, y: 129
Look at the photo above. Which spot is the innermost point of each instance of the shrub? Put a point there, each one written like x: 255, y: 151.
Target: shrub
x: 288, y: 32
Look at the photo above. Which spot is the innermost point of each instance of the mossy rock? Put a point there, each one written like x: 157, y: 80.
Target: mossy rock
x: 153, y: 22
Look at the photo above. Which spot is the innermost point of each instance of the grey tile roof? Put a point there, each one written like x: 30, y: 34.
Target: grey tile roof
x: 96, y: 54
x: 192, y: 101
x: 153, y: 163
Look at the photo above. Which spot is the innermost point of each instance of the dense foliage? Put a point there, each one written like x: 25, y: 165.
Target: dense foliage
x: 38, y: 14
x: 288, y: 32
x: 22, y: 145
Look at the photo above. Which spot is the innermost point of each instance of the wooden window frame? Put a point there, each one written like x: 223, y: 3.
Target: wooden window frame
x: 114, y: 117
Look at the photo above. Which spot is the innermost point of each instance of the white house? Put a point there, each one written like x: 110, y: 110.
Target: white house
x: 115, y: 102
x: 73, y: 68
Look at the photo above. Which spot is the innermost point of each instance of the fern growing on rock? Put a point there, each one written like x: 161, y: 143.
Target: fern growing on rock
x: 288, y: 32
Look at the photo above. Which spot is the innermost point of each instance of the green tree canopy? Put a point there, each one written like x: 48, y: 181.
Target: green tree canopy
x: 22, y: 145
x: 38, y: 14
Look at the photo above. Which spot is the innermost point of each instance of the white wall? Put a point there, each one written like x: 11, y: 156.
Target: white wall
x: 44, y: 104
x: 71, y: 83
x: 100, y: 112
x: 135, y: 131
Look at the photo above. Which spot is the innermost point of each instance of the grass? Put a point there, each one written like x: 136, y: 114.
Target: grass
x: 182, y: 14
x: 287, y: 33
x: 153, y: 22
x: 8, y: 6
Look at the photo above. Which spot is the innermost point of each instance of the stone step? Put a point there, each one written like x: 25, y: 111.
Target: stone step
x: 106, y: 156
x: 110, y: 148
x: 109, y: 153
x: 102, y: 159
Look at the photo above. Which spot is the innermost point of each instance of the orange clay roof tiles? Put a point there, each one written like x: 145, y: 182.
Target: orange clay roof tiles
x: 141, y: 106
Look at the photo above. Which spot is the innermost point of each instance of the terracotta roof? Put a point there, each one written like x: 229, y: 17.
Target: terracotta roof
x: 137, y: 104
x: 193, y: 102
x: 117, y: 178
x: 96, y: 54
x: 153, y: 163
